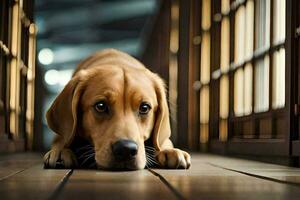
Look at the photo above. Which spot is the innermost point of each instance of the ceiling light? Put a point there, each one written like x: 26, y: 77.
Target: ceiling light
x: 46, y: 56
x: 52, y: 77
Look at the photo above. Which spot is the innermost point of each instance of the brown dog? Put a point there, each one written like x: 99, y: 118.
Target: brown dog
x: 116, y: 104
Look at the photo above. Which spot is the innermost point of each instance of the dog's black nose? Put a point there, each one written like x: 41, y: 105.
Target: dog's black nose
x: 124, y: 150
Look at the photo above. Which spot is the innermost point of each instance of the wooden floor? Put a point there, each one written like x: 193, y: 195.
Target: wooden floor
x: 211, y: 177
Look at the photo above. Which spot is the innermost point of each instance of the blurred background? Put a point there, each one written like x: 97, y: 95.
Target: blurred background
x: 231, y: 67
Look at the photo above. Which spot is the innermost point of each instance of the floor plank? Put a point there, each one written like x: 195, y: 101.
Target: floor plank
x: 92, y: 184
x: 210, y: 177
x: 11, y: 164
x: 32, y: 183
x: 205, y: 181
x: 279, y: 172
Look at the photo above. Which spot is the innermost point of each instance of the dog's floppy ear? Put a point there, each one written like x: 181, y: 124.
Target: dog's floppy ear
x: 62, y: 115
x: 162, y: 131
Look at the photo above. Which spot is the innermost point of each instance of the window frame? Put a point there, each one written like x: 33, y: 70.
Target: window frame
x: 17, y: 68
x: 267, y: 145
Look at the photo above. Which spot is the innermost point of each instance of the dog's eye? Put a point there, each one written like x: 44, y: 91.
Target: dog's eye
x: 144, y: 108
x: 101, y: 107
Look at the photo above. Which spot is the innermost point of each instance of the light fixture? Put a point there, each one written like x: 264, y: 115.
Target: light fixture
x: 46, y: 56
x: 58, y: 78
x: 52, y: 77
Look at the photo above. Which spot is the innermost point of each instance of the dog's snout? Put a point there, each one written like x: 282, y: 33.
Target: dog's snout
x: 124, y: 150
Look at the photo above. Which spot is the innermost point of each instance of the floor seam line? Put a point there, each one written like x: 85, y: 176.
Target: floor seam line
x: 60, y: 186
x: 257, y: 176
x: 15, y: 173
x: 169, y: 186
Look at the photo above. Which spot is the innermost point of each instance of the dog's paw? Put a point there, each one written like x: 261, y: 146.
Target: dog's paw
x: 174, y: 159
x: 60, y: 159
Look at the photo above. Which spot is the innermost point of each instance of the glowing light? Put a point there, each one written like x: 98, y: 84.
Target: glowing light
x: 59, y: 78
x: 52, y: 77
x: 46, y: 56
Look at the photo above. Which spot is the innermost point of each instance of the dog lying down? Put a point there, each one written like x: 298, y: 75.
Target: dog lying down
x: 113, y: 114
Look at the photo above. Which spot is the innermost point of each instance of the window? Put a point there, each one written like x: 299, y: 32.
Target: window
x: 224, y: 67
x: 243, y: 51
x: 248, y: 68
x: 17, y: 73
x: 205, y: 70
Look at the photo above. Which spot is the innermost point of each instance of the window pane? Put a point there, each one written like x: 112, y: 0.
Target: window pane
x: 262, y: 21
x: 204, y: 114
x: 249, y: 28
x: 204, y: 133
x: 173, y: 71
x: 244, y: 27
x: 223, y: 130
x: 278, y: 96
x: 279, y: 21
x: 174, y: 35
x: 225, y: 6
x: 225, y: 41
x: 205, y: 58
x: 238, y: 92
x: 224, y: 108
x: 205, y: 23
x: 239, y: 42
x: 248, y: 73
x: 262, y: 85
x: 224, y: 97
x: 204, y: 105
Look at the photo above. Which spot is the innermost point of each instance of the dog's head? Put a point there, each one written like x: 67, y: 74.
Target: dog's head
x: 117, y: 109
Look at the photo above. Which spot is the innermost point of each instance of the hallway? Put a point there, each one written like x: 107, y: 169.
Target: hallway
x: 232, y: 73
x: 210, y: 177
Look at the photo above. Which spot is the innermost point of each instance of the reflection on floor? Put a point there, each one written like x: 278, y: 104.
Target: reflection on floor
x: 210, y: 177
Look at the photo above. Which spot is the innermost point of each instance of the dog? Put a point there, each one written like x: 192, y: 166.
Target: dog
x: 116, y: 104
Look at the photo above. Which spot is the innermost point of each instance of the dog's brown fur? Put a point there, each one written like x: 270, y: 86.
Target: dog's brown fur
x: 124, y: 83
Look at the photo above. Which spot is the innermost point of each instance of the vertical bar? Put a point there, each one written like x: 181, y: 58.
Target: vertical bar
x: 193, y: 114
x: 231, y: 75
x: 30, y: 85
x: 183, y: 70
x: 14, y: 88
x: 273, y: 120
x: 215, y: 65
x: 254, y: 122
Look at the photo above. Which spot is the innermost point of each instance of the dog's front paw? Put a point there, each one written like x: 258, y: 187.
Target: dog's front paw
x: 174, y: 159
x: 60, y: 159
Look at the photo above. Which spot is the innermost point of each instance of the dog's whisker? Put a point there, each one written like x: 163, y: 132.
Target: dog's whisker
x: 84, y: 156
x: 86, y: 153
x: 84, y: 147
x: 150, y: 161
x: 150, y: 164
x: 89, y: 155
x: 153, y: 161
x: 150, y: 150
x: 86, y: 150
x: 87, y: 159
x: 150, y: 155
x: 149, y: 147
